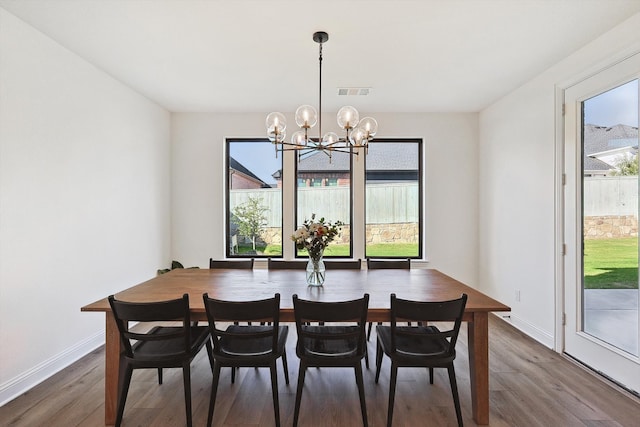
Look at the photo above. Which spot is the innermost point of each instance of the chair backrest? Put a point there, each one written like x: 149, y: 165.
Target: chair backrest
x: 242, y: 264
x: 265, y: 310
x: 343, y: 265
x: 390, y: 264
x: 450, y: 312
x: 286, y: 265
x: 160, y: 311
x: 327, y: 314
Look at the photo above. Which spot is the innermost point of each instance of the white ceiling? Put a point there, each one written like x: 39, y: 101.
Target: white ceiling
x: 258, y: 55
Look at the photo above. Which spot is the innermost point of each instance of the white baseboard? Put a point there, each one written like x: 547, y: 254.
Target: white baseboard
x: 543, y: 337
x: 15, y: 387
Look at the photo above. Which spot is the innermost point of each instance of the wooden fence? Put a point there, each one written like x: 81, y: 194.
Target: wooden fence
x: 386, y: 203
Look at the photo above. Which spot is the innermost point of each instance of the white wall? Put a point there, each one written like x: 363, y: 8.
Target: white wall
x: 84, y: 201
x: 450, y: 191
x: 91, y: 189
x: 517, y: 180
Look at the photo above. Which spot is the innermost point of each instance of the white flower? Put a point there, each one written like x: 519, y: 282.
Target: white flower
x: 301, y: 234
x: 314, y: 235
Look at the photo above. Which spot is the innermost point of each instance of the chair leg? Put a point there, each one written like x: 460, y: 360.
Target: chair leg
x: 430, y: 375
x: 160, y: 376
x: 125, y: 380
x: 454, y: 391
x: 274, y: 392
x: 366, y: 355
x: 233, y: 374
x: 214, y: 390
x: 360, y: 382
x: 186, y: 379
x: 210, y: 353
x: 302, y: 371
x: 392, y: 393
x: 369, y: 330
x: 379, y: 355
x: 285, y: 366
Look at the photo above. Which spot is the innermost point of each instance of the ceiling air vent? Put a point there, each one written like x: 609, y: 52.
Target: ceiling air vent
x: 353, y: 91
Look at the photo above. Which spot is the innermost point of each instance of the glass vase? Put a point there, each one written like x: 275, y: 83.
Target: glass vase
x: 315, y: 269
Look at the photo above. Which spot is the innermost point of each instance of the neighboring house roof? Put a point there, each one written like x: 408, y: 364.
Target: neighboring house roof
x: 603, y: 145
x: 603, y: 138
x: 236, y: 165
x: 319, y: 161
x: 591, y: 164
x: 382, y: 157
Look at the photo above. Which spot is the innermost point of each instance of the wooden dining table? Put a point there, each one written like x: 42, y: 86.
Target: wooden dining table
x: 340, y: 285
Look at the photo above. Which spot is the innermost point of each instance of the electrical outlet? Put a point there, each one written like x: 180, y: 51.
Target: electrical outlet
x: 518, y: 295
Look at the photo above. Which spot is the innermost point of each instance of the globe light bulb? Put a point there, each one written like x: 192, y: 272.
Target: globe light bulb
x: 298, y: 138
x: 330, y: 138
x: 306, y: 116
x: 370, y: 127
x: 358, y: 137
x: 348, y: 117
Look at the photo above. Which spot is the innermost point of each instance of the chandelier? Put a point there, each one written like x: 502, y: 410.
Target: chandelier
x: 357, y: 133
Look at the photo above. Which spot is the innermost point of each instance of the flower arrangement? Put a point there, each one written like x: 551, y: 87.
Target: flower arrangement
x: 314, y: 236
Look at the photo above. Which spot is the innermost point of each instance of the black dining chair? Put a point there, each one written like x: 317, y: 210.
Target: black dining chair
x: 424, y: 345
x: 246, y: 346
x: 240, y: 264
x: 386, y: 264
x: 337, y: 342
x: 343, y: 265
x: 273, y: 264
x: 159, y: 347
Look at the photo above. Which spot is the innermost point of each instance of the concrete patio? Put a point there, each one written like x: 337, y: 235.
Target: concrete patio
x: 612, y: 316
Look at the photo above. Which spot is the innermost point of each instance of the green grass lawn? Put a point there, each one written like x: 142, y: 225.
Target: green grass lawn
x: 611, y: 263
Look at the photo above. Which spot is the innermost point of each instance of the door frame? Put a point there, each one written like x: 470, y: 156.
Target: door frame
x: 563, y: 249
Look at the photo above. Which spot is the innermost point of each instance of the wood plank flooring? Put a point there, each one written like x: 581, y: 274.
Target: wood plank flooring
x: 530, y: 386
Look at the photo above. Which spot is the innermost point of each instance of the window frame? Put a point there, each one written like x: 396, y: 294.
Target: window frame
x: 421, y: 218
x: 357, y: 213
x: 227, y: 203
x: 299, y: 221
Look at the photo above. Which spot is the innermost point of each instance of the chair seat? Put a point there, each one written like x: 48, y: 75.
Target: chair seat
x: 231, y: 347
x: 157, y: 351
x: 329, y: 350
x: 420, y: 347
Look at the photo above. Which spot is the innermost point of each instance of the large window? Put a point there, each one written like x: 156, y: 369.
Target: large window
x: 254, y: 199
x: 378, y: 198
x: 393, y: 199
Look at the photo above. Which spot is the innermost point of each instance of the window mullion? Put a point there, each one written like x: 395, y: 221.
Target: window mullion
x: 358, y: 223
x: 288, y: 203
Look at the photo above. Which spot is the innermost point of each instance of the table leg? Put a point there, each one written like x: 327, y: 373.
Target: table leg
x: 112, y: 369
x: 478, y: 335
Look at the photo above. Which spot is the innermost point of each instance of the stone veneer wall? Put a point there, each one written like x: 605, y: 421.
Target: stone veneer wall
x: 376, y: 233
x: 610, y: 226
x: 272, y: 235
x: 391, y: 233
x: 595, y: 227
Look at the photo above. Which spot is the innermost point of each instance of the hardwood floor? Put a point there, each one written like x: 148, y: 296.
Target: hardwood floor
x: 530, y: 386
